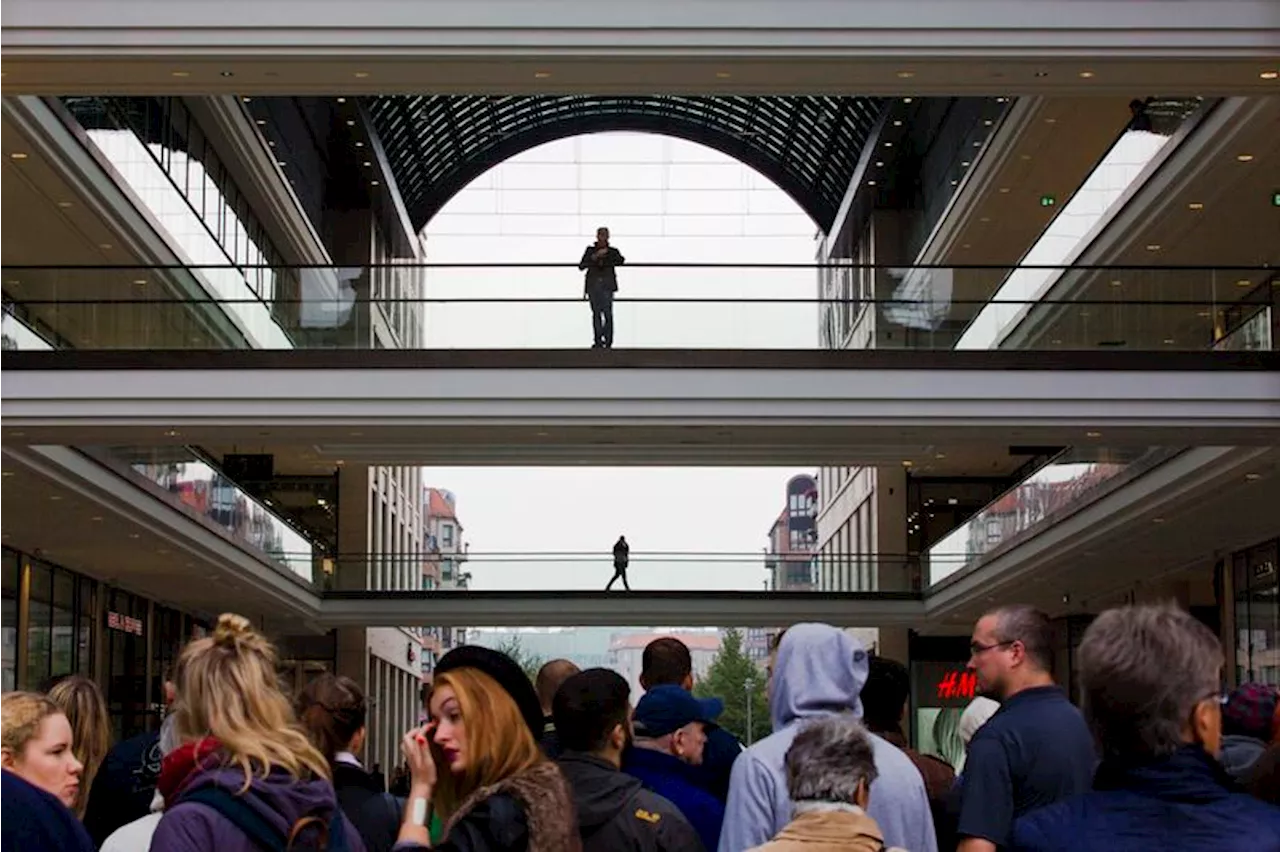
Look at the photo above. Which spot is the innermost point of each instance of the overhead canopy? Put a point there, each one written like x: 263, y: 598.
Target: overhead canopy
x: 808, y: 146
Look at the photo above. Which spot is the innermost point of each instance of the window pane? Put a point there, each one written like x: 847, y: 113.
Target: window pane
x: 38, y: 644
x: 63, y: 618
x: 9, y: 620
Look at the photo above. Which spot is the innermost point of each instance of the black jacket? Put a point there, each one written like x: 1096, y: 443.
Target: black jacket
x: 600, y: 272
x: 616, y: 814
x: 375, y: 814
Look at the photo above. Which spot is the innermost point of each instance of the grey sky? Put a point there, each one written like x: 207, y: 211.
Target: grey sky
x: 664, y: 200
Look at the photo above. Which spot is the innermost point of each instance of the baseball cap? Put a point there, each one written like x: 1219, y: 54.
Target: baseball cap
x: 668, y: 708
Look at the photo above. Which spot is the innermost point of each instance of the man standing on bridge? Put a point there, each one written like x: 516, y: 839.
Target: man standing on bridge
x: 621, y: 558
x: 599, y: 261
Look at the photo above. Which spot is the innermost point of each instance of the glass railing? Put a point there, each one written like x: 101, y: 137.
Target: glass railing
x: 659, y: 306
x: 651, y: 571
x: 1071, y: 481
x: 202, y: 490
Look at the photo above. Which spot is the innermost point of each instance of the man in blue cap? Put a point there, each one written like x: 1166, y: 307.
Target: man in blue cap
x: 670, y: 735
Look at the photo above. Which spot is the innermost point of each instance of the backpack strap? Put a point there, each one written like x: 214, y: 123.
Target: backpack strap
x: 263, y: 834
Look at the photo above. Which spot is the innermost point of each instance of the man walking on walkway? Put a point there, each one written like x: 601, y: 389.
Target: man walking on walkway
x: 621, y: 559
x: 599, y: 261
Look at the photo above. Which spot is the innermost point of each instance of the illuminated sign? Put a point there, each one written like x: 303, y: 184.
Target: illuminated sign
x: 124, y: 623
x: 957, y: 684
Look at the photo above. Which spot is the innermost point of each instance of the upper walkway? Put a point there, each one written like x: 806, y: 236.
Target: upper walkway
x: 639, y: 407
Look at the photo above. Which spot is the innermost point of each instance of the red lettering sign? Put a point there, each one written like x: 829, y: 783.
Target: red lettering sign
x: 124, y: 623
x: 957, y: 684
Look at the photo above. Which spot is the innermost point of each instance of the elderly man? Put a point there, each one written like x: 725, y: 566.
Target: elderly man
x: 1149, y: 680
x: 830, y: 767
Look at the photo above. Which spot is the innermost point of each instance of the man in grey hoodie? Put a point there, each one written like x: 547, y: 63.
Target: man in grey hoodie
x: 820, y: 671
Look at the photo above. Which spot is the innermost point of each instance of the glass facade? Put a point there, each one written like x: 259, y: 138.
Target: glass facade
x: 9, y: 619
x: 1257, y: 613
x: 59, y: 623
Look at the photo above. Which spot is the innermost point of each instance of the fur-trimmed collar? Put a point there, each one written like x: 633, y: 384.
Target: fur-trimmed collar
x: 548, y: 807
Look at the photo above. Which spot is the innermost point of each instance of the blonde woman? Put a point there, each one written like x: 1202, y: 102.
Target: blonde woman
x: 41, y: 777
x: 82, y: 702
x: 478, y: 763
x: 246, y: 776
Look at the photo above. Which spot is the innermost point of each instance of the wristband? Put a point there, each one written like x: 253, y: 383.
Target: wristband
x: 418, y: 815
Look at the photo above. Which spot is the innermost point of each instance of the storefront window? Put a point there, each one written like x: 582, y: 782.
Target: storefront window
x: 63, y: 635
x: 39, y: 644
x: 126, y: 678
x: 9, y: 619
x: 1257, y: 605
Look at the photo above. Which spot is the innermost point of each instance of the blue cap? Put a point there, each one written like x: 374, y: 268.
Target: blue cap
x: 668, y: 708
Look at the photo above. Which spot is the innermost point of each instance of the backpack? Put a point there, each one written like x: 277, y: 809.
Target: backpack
x: 263, y: 834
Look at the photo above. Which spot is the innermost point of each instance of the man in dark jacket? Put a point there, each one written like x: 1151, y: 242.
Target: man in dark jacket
x: 600, y: 261
x: 550, y: 677
x: 621, y: 559
x: 592, y: 711
x: 1149, y: 683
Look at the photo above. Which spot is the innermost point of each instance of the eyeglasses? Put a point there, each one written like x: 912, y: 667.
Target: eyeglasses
x: 977, y: 648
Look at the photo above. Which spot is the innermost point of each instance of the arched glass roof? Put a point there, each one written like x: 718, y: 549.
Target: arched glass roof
x: 808, y: 146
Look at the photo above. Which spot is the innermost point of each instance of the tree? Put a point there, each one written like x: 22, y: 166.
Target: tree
x: 526, y: 659
x: 737, y: 681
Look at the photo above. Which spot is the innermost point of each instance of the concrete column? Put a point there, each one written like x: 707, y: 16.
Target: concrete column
x: 889, y: 530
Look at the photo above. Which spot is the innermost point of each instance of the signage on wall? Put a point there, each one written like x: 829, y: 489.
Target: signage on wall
x: 124, y: 623
x: 957, y: 684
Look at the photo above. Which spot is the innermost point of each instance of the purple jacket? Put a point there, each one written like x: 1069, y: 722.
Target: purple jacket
x: 279, y: 798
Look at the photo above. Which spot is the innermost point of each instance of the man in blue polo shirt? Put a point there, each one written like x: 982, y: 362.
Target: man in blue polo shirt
x: 670, y: 736
x: 1036, y: 749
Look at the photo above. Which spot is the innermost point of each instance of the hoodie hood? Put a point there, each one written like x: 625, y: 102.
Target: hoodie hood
x: 820, y: 670
x: 599, y: 791
x: 279, y: 798
x: 1240, y: 753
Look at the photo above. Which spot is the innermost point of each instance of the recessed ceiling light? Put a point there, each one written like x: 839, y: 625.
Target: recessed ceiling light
x: 373, y: 183
x: 1204, y: 314
x: 541, y: 75
x: 987, y: 123
x: 1116, y: 282
x: 245, y: 100
x: 17, y: 434
x: 351, y: 122
x: 897, y: 122
x: 723, y: 75
x: 226, y: 73
x: 906, y: 75
x: 17, y: 155
x: 55, y: 496
x: 96, y: 518
x: 977, y: 143
x: 1244, y: 282
x: 1086, y: 75
x: 1001, y: 100
x: 955, y: 182
x: 1004, y: 190
x: 64, y: 204
x: 1195, y: 205
x: 985, y: 219
x: 1051, y: 121
x: 1093, y: 434
x: 172, y: 433
x: 871, y: 183
x: 180, y: 73
x: 888, y: 144
x: 105, y: 246
x: 939, y: 456
x: 906, y: 100
x: 134, y: 535
x: 964, y: 164
x: 360, y: 75
x: 368, y: 163
x: 1245, y: 158
x: 1168, y: 341
x: 261, y: 122
x: 359, y: 144
x: 7, y: 473
x: 271, y: 142
x: 964, y: 246
x: 1042, y: 73
x: 139, y: 281
x: 1057, y: 342
x: 1269, y: 75
x: 342, y: 100
x: 906, y: 462
x: 1157, y: 520
x: 281, y: 163
x: 1023, y: 157
x: 1153, y: 247
x: 1253, y: 477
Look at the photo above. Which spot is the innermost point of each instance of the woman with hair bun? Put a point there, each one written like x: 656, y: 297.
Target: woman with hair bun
x: 477, y: 763
x: 246, y: 777
x: 333, y: 712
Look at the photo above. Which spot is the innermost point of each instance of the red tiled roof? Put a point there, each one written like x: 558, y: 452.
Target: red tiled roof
x: 437, y: 506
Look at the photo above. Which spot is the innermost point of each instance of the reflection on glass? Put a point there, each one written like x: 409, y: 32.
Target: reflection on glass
x: 207, y: 493
x: 16, y: 335
x: 1076, y: 477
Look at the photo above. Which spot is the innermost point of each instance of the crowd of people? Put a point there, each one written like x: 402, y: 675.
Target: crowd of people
x: 1154, y: 756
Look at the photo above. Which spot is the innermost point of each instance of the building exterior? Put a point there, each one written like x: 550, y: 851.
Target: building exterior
x: 793, y: 539
x: 626, y: 652
x: 442, y: 569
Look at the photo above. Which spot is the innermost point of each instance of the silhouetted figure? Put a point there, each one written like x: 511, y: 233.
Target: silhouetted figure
x: 621, y: 558
x: 601, y: 282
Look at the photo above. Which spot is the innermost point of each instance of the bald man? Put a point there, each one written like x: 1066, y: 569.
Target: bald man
x: 550, y: 676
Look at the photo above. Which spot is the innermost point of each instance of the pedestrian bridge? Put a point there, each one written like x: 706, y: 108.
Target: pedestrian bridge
x: 649, y: 407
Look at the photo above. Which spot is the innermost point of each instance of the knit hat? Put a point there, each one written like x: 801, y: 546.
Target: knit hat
x: 506, y: 672
x: 1249, y: 711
